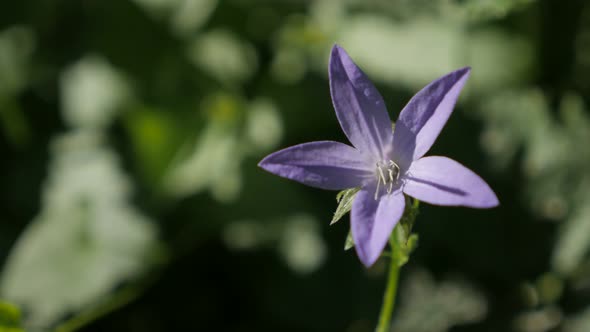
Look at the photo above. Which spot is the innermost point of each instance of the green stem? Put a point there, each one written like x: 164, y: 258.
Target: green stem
x: 399, y: 256
x: 118, y: 300
x: 113, y: 302
x: 389, y: 297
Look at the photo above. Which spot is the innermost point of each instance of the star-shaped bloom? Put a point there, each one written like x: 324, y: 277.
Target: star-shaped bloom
x: 384, y: 163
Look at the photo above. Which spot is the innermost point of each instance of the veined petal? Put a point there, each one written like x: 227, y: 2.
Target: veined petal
x: 423, y: 118
x: 443, y: 181
x: 359, y: 106
x: 372, y: 222
x: 324, y: 164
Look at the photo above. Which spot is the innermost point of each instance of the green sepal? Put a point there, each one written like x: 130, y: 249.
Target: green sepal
x: 402, y: 245
x: 349, y: 243
x: 344, y: 199
x: 410, y: 214
x: 403, y: 241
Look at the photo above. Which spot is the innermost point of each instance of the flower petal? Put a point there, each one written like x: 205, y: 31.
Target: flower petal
x: 443, y: 181
x: 359, y: 106
x: 423, y: 118
x: 324, y: 164
x: 372, y: 222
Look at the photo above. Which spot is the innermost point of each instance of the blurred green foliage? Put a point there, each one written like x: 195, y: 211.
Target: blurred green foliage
x: 130, y: 132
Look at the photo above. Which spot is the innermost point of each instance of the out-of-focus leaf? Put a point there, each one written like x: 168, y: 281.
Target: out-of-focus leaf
x: 576, y: 121
x: 224, y: 56
x: 16, y: 48
x: 247, y: 235
x: 522, y: 119
x: 185, y: 16
x: 513, y: 118
x: 289, y: 65
x: 301, y: 245
x: 17, y: 44
x: 549, y: 288
x: 554, y: 165
x: 573, y: 242
x: 155, y: 138
x: 212, y: 161
x: 86, y: 240
x: 92, y: 92
x: 344, y: 199
x: 13, y: 122
x: 426, y: 48
x: 263, y: 125
x: 158, y: 8
x: 484, y: 49
x: 10, y: 316
x: 428, y: 307
x: 423, y: 48
x: 544, y: 319
x: 296, y: 238
x: 580, y: 322
x: 481, y: 10
x: 191, y: 15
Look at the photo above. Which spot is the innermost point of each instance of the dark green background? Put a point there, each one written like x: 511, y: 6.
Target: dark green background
x: 206, y: 286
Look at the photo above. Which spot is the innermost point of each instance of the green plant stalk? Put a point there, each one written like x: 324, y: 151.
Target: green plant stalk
x: 114, y: 302
x: 390, y: 294
x: 398, y: 240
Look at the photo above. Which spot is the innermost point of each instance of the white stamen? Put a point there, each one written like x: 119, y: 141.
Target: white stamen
x: 393, y: 171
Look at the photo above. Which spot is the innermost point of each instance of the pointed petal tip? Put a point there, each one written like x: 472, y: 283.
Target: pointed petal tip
x: 335, y: 58
x: 464, y: 71
x: 339, y: 55
x: 359, y: 106
x: 264, y: 162
x: 366, y: 259
x: 491, y: 202
x: 443, y: 181
x: 369, y: 261
x: 337, y: 49
x: 322, y: 164
x: 487, y: 200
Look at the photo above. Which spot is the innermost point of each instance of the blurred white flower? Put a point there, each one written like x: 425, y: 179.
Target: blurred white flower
x: 428, y: 307
x: 92, y: 92
x: 224, y: 56
x: 86, y: 240
x: 301, y: 245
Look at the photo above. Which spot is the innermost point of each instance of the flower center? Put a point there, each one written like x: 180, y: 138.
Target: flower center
x: 387, y: 174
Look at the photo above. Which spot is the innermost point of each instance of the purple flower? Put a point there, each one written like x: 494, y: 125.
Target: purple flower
x: 384, y: 163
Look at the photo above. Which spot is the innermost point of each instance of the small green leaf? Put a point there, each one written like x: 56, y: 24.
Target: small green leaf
x: 344, y: 199
x: 412, y: 243
x: 410, y: 214
x: 349, y: 243
x: 402, y: 245
x: 10, y: 317
x: 403, y: 241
